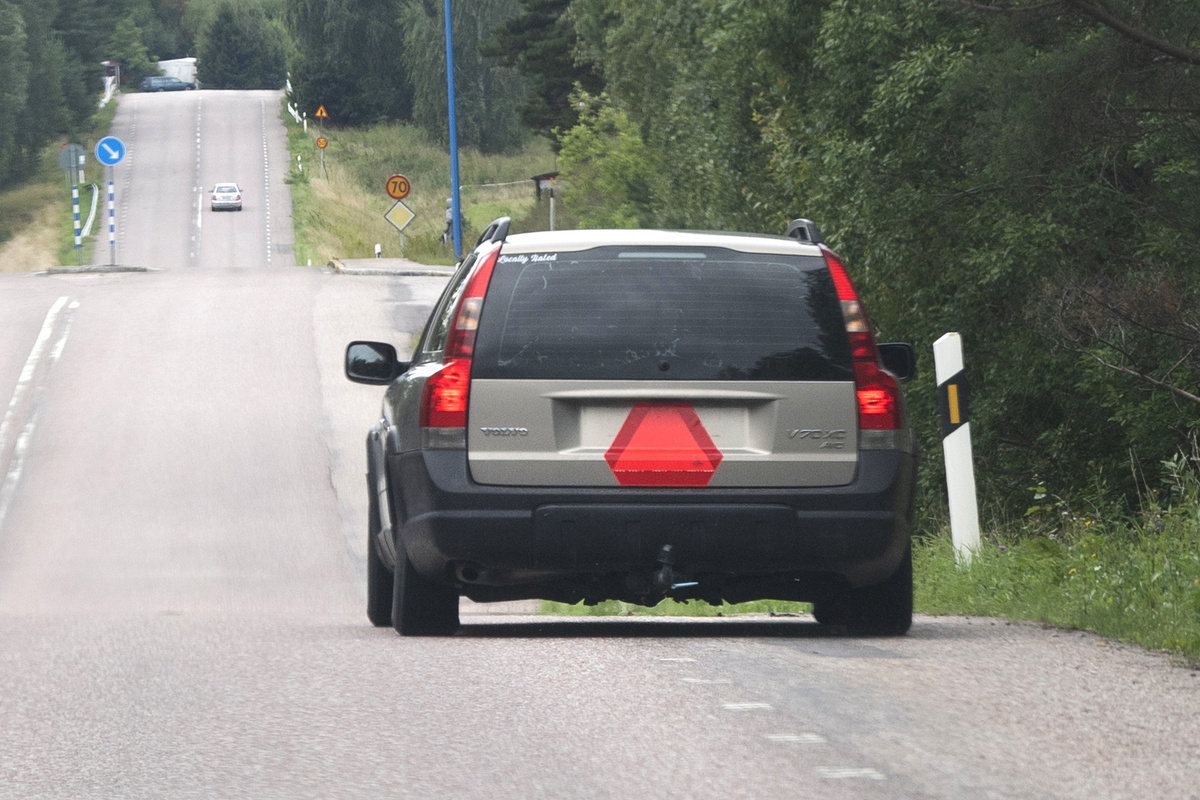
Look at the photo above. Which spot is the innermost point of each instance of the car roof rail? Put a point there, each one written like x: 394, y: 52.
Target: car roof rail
x: 496, y: 231
x: 804, y: 230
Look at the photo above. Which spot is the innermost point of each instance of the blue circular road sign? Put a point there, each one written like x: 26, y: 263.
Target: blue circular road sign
x: 110, y: 150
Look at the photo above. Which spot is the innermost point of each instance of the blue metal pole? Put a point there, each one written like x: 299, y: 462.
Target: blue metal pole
x: 455, y: 205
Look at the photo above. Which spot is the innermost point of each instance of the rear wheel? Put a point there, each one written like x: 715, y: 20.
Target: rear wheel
x: 380, y: 582
x: 886, y: 608
x: 419, y: 606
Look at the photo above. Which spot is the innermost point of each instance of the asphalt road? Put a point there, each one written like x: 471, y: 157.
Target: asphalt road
x: 182, y: 541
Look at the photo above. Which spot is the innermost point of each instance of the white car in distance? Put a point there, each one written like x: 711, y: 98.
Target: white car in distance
x: 226, y: 197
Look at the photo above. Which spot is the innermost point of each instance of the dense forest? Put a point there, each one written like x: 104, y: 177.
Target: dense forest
x: 1024, y: 172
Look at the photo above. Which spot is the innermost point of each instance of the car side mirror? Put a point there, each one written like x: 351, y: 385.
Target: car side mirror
x: 373, y: 363
x: 899, y: 359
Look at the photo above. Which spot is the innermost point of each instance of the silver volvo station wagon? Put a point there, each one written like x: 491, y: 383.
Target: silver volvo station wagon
x: 641, y: 414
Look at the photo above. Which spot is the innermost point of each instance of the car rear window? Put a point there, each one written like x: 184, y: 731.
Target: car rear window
x: 658, y: 313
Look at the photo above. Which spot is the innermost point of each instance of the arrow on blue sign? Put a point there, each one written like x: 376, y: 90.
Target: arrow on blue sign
x: 110, y: 150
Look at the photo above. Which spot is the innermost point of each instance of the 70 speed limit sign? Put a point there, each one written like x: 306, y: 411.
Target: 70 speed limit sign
x: 398, y: 187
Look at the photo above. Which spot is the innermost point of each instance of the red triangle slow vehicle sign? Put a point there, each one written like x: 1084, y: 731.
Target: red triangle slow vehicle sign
x: 663, y: 444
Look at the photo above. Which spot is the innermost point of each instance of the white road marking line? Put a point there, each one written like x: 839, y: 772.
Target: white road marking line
x: 839, y: 773
x: 796, y: 738
x: 677, y: 660
x: 746, y: 706
x: 30, y: 367
x: 708, y: 681
x: 17, y: 464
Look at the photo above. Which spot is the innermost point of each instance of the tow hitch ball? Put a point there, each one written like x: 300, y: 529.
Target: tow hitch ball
x: 666, y: 579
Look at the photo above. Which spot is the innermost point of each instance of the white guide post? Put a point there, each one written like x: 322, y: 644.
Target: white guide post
x: 956, y: 446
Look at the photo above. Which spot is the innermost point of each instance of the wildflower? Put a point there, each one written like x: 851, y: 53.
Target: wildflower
x: 1096, y: 568
x: 1002, y: 548
x: 1072, y: 572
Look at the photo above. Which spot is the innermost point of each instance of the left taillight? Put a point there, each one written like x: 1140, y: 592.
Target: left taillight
x: 444, y: 402
x: 877, y: 391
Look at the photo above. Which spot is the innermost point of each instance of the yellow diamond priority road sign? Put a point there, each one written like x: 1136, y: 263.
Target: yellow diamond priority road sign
x: 400, y: 216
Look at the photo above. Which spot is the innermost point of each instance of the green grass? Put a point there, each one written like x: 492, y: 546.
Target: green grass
x: 19, y: 206
x: 672, y: 608
x: 341, y: 215
x: 1138, y: 581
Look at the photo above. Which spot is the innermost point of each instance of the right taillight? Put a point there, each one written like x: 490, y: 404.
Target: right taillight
x: 878, y: 393
x: 444, y: 402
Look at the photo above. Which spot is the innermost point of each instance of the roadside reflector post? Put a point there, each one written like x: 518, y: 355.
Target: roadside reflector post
x: 379, y: 250
x: 953, y: 401
x: 75, y: 211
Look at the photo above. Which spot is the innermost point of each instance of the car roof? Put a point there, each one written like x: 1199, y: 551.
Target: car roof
x: 638, y: 237
x: 219, y: 184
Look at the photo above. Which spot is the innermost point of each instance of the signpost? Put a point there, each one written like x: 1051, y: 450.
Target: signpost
x: 110, y: 151
x: 400, y: 216
x: 72, y: 158
x: 322, y: 143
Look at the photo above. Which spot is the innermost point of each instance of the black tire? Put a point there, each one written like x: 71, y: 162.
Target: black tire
x: 832, y: 610
x: 380, y: 582
x: 886, y: 608
x: 419, y: 606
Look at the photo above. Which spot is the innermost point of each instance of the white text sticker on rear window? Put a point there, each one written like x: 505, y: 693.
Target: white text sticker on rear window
x: 526, y: 259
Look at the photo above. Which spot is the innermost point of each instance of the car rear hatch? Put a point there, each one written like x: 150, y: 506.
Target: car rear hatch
x: 723, y: 364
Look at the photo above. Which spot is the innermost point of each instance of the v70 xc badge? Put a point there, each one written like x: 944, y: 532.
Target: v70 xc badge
x: 815, y: 433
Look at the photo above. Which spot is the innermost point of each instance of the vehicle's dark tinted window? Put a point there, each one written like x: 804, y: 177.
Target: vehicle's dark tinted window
x: 662, y: 313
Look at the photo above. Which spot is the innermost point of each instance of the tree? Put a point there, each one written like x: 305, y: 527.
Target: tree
x: 351, y: 57
x: 242, y: 49
x: 488, y: 94
x: 542, y: 44
x: 127, y: 47
x: 14, y: 87
x: 611, y: 176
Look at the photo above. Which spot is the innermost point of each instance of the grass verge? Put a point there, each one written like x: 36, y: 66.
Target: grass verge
x: 340, y: 215
x: 1137, y: 582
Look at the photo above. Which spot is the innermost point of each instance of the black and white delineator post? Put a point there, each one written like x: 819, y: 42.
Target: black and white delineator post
x: 956, y: 446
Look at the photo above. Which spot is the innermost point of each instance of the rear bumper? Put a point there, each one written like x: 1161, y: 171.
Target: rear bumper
x: 506, y: 542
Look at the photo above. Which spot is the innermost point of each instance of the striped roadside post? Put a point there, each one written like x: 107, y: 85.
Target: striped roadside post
x: 956, y: 446
x: 78, y: 235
